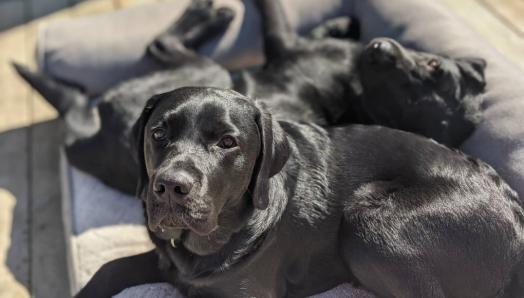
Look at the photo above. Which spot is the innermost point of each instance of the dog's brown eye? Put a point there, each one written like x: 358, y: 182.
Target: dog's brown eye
x: 434, y: 64
x: 159, y: 134
x: 227, y: 142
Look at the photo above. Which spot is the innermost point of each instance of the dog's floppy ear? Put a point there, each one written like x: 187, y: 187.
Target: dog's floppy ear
x: 473, y: 70
x: 274, y: 152
x: 137, y: 142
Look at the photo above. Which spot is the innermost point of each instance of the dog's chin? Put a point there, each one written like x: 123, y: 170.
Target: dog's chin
x: 168, y: 233
x: 172, y: 226
x: 201, y: 227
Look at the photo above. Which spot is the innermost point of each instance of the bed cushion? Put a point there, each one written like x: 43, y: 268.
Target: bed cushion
x: 105, y: 53
x: 111, y: 46
x: 163, y: 290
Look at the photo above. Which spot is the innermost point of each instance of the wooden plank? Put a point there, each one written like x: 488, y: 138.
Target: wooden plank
x: 120, y: 4
x: 14, y: 191
x: 14, y: 104
x: 49, y: 273
x: 12, y: 13
x: 509, y: 11
x: 40, y: 8
x: 490, y: 27
x: 91, y: 7
x: 49, y: 265
x: 9, y: 286
x: 15, y: 116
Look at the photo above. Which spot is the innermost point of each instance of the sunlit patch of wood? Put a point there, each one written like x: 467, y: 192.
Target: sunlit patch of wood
x: 9, y: 287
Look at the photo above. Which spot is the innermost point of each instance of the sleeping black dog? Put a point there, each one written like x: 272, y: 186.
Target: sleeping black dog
x: 241, y: 205
x: 421, y: 92
x: 315, y: 79
x: 98, y: 133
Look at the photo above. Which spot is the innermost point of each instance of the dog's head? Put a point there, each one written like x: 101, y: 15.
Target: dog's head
x: 205, y: 155
x: 422, y: 92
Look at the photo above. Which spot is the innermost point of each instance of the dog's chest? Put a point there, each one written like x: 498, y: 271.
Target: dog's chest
x: 290, y: 268
x: 260, y: 277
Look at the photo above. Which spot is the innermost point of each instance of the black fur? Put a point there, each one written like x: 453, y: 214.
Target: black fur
x: 98, y: 140
x: 396, y: 213
x: 434, y: 96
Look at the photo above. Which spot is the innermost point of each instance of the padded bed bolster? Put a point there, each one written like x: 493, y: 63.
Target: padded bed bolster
x: 101, y: 50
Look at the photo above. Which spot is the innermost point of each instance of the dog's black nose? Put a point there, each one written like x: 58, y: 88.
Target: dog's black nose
x: 178, y: 184
x: 381, y: 51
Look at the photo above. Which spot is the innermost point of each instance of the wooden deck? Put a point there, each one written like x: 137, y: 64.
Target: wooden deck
x: 32, y: 246
x: 32, y: 258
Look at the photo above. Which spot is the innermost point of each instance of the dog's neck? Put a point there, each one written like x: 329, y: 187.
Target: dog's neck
x: 202, y: 255
x: 230, y: 221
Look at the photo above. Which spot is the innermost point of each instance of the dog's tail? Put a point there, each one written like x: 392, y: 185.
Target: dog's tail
x: 63, y: 97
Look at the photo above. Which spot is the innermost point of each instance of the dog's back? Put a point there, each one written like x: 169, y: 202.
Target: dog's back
x: 422, y: 219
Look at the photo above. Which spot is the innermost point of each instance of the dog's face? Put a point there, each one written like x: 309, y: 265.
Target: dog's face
x: 205, y: 156
x: 421, y: 92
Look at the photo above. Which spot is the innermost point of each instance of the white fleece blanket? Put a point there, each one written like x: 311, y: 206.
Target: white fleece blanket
x: 163, y: 290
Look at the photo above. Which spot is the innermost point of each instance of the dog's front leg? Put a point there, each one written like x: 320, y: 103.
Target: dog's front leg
x: 119, y: 274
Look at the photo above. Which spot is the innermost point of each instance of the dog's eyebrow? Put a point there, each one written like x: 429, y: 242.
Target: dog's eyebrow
x: 211, y: 113
x: 213, y: 121
x: 210, y: 118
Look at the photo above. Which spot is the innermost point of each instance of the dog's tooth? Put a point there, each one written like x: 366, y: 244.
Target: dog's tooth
x: 173, y: 243
x: 162, y: 229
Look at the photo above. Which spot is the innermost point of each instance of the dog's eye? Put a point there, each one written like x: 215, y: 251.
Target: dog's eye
x: 434, y: 65
x: 159, y: 134
x: 227, y: 142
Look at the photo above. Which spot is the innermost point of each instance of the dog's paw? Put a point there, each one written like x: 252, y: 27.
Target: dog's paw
x: 225, y: 14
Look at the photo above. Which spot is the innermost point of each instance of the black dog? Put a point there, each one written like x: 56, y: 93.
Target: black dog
x: 333, y: 81
x: 98, y: 140
x: 240, y: 205
x: 415, y: 91
x: 421, y: 92
x: 313, y: 79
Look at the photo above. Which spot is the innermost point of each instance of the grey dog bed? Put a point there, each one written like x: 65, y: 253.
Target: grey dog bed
x: 96, y: 52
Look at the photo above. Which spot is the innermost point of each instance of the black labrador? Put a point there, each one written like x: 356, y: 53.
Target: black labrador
x: 98, y: 133
x: 241, y: 205
x: 415, y: 91
x: 422, y: 92
x: 314, y: 79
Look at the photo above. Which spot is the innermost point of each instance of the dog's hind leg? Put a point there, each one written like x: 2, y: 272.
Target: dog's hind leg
x: 412, y: 239
x: 198, y: 24
x: 277, y: 33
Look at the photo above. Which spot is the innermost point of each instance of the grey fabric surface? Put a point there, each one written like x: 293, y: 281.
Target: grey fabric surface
x: 93, y: 209
x: 98, y: 51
